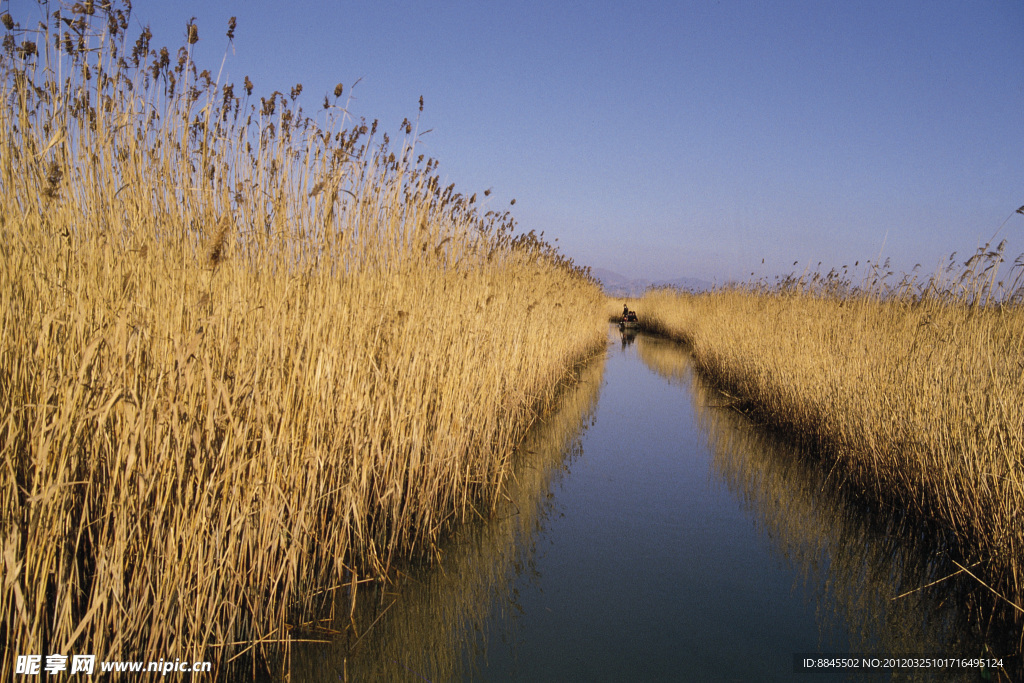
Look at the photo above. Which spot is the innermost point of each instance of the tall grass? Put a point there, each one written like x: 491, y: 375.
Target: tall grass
x: 249, y: 356
x: 915, y: 390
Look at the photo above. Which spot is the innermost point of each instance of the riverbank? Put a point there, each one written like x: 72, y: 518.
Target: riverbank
x: 916, y: 397
x: 251, y: 358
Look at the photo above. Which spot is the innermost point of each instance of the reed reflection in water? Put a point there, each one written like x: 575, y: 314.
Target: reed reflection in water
x: 684, y: 544
x: 431, y: 623
x: 864, y: 568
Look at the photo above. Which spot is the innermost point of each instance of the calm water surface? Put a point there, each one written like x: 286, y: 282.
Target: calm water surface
x: 652, y: 533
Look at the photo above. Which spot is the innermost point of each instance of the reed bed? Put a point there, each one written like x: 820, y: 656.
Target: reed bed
x: 915, y: 391
x: 249, y: 357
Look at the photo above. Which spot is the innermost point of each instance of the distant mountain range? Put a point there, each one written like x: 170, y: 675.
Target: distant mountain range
x: 619, y: 285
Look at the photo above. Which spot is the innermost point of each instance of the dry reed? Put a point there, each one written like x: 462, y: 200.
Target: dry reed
x: 915, y: 389
x: 249, y: 356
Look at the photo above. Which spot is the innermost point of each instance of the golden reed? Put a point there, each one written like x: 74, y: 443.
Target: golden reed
x: 915, y: 389
x: 249, y: 356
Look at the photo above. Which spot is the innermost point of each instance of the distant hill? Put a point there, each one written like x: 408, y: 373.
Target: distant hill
x: 619, y: 285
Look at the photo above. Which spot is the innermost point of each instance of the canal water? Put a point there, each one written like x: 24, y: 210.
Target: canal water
x: 653, y: 533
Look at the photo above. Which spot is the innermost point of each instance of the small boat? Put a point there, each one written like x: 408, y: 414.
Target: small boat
x: 629, y: 321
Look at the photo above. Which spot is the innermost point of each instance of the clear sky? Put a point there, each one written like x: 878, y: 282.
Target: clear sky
x: 677, y: 138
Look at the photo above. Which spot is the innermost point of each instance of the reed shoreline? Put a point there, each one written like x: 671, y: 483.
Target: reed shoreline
x: 912, y: 396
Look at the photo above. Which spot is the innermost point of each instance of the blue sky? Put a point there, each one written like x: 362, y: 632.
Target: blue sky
x: 666, y: 139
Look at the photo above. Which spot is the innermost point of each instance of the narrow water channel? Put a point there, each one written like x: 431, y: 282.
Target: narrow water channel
x: 652, y: 533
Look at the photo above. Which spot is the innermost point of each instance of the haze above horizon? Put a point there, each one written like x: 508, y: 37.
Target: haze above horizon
x: 683, y: 138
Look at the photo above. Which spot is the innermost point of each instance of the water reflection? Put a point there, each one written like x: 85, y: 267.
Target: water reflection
x: 863, y: 569
x: 431, y: 623
x: 665, y: 358
x: 627, y: 337
x: 698, y: 544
